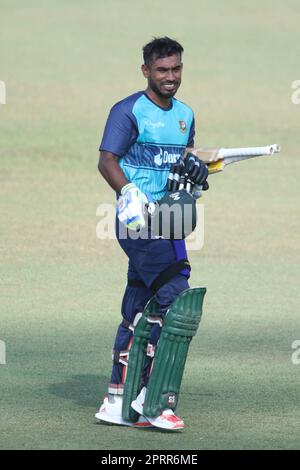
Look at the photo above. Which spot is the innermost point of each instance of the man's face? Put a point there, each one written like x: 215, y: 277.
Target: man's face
x: 164, y: 75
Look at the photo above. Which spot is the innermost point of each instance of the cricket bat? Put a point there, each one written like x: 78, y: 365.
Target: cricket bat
x: 217, y: 158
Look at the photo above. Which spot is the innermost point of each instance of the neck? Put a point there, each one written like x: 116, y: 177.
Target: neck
x: 159, y: 100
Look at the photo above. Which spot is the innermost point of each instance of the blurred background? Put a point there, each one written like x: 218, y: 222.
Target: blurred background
x: 64, y: 64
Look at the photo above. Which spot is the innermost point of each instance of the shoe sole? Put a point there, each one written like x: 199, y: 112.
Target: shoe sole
x: 122, y: 422
x: 111, y: 420
x: 139, y: 409
x: 165, y: 426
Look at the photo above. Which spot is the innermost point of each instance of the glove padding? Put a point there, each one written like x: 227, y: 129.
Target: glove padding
x: 197, y: 171
x: 131, y: 207
x: 190, y: 174
x: 176, y: 176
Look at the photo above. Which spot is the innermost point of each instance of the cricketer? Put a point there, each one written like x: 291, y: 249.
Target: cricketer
x: 145, y: 134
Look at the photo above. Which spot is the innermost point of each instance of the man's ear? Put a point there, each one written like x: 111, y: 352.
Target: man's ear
x: 145, y: 70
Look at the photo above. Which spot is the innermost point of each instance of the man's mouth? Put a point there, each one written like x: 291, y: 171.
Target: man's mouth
x: 169, y: 86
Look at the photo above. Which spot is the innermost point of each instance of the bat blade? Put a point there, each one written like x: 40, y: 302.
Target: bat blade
x: 218, y: 158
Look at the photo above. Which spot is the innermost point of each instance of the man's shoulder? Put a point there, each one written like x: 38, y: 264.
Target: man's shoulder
x: 180, y: 104
x: 126, y: 104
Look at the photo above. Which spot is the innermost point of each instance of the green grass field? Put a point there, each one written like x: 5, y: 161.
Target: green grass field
x: 64, y: 65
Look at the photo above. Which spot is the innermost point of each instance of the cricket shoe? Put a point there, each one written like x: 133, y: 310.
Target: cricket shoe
x: 166, y: 420
x: 111, y: 412
x: 138, y: 403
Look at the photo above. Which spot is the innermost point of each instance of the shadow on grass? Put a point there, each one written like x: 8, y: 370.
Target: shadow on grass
x: 88, y: 391
x: 84, y: 389
x: 149, y: 429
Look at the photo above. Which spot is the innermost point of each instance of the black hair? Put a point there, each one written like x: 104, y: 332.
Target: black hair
x: 159, y: 48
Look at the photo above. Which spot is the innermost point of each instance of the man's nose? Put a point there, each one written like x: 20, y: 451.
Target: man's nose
x: 170, y: 75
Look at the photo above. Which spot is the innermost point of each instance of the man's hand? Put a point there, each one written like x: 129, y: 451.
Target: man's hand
x: 131, y: 207
x: 197, y: 171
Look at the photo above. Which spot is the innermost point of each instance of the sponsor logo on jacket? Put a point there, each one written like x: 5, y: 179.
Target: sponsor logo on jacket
x: 165, y: 157
x: 154, y: 125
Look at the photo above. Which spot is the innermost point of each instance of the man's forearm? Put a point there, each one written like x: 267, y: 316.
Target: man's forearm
x: 110, y: 170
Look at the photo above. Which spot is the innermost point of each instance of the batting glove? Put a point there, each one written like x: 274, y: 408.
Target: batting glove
x: 131, y: 207
x: 197, y: 170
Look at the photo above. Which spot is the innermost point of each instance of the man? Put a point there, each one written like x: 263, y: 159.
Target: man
x: 145, y: 134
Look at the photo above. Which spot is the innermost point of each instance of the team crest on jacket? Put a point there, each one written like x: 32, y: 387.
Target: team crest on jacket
x: 182, y: 126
